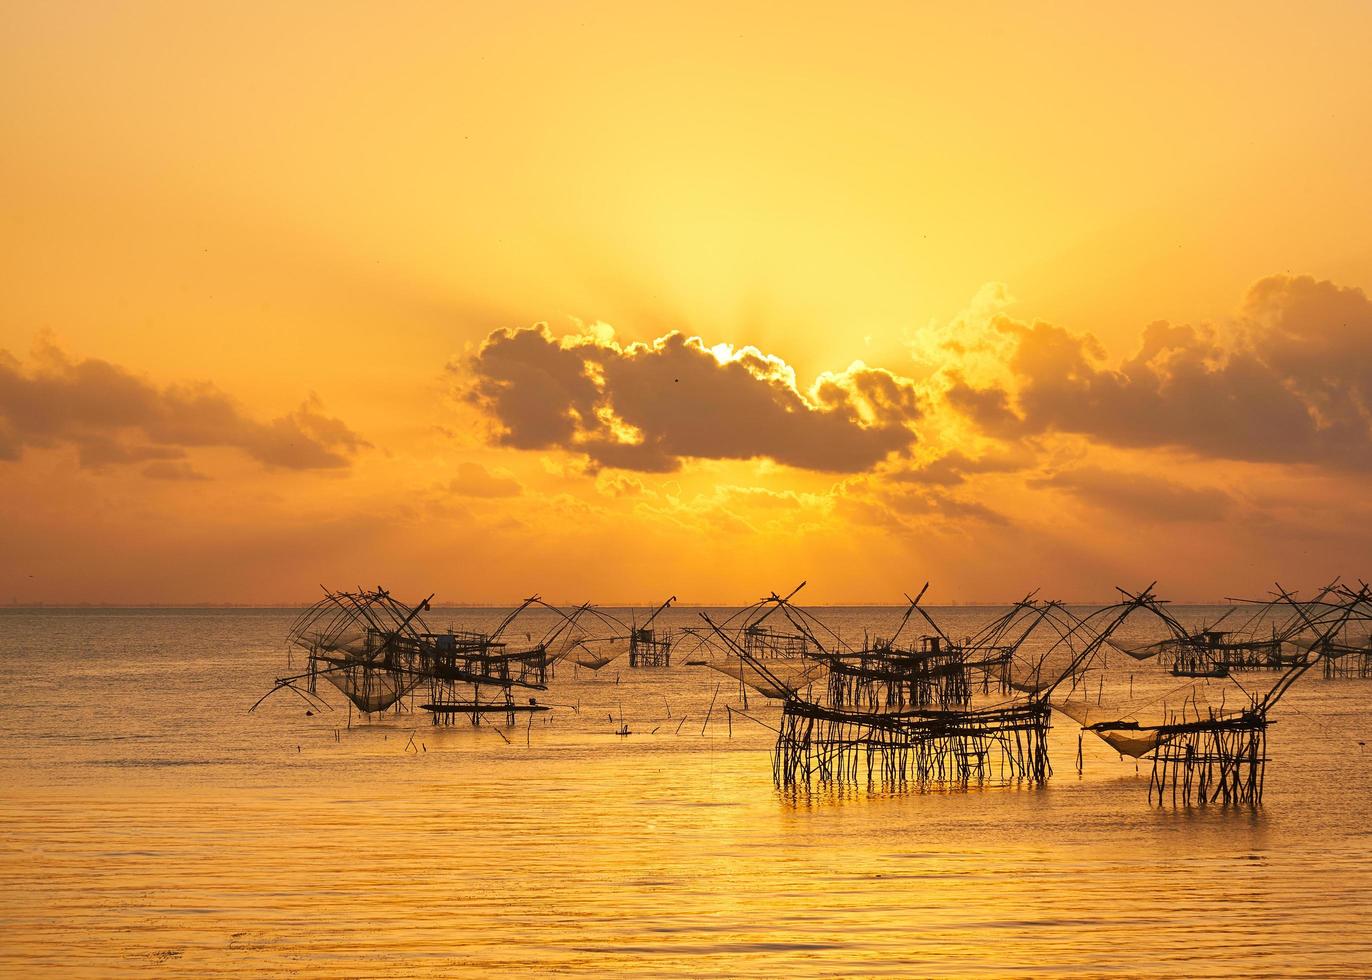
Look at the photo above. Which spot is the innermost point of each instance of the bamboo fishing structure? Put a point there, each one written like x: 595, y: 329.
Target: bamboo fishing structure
x: 957, y: 746
x: 913, y: 706
x: 1268, y: 639
x: 1206, y: 754
x: 1347, y: 654
x: 928, y: 670
x: 380, y: 653
x: 649, y: 647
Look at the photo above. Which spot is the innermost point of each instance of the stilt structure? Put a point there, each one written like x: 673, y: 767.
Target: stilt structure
x: 599, y: 638
x: 1267, y: 639
x: 649, y: 647
x: 748, y: 636
x: 929, y: 670
x: 1344, y: 661
x: 380, y: 652
x: 1204, y: 753
x: 1348, y: 654
x: 764, y: 642
x: 471, y: 673
x: 953, y: 748
x: 958, y: 746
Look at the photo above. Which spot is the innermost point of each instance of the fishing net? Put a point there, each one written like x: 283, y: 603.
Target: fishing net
x: 369, y: 689
x: 594, y: 654
x: 777, y: 679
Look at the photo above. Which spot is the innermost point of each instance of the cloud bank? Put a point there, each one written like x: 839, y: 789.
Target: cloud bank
x: 1291, y: 384
x: 650, y: 406
x: 113, y: 417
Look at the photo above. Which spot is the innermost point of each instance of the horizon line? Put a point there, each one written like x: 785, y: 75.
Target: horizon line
x: 871, y: 604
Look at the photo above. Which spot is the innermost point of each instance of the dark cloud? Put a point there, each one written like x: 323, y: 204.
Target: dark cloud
x: 1293, y: 384
x: 923, y: 503
x: 174, y: 469
x: 1139, y: 495
x: 909, y: 508
x: 988, y: 407
x: 115, y: 417
x: 96, y: 450
x: 647, y: 407
x: 955, y: 467
x: 474, y: 480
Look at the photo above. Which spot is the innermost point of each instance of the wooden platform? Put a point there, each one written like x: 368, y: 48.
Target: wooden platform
x: 472, y: 707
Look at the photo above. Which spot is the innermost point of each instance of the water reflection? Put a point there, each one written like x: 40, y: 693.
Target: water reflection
x: 148, y: 823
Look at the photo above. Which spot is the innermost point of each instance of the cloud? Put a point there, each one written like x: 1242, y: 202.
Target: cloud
x: 474, y: 480
x: 176, y: 469
x: 1140, y: 495
x: 112, y: 417
x: 648, y: 407
x: 95, y: 451
x: 922, y: 503
x: 620, y: 486
x: 1292, y: 383
x: 954, y: 468
x: 912, y: 510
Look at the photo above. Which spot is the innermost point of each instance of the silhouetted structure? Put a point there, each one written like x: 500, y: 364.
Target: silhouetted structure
x: 377, y: 651
x: 928, y: 670
x: 1207, y: 753
x: 818, y: 739
x: 649, y: 647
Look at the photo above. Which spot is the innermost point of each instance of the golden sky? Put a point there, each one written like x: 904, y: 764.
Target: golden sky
x: 611, y: 301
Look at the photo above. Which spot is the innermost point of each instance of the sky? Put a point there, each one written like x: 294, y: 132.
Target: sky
x: 610, y: 301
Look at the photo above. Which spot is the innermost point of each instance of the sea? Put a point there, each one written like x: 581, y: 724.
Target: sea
x: 151, y: 823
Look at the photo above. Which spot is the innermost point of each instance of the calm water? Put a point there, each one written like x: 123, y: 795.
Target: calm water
x: 149, y: 823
